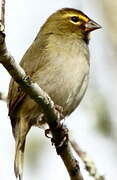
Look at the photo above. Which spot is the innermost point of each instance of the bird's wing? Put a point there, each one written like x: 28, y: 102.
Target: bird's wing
x: 32, y: 60
x: 15, y: 95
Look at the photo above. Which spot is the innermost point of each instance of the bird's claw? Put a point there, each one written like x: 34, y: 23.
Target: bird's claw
x: 47, y: 133
x: 59, y: 141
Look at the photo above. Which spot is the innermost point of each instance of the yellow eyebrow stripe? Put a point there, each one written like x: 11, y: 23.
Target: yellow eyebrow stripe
x: 84, y: 18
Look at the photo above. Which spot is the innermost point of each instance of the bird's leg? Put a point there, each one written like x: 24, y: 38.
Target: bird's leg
x: 59, y: 137
x: 60, y: 111
x: 58, y: 128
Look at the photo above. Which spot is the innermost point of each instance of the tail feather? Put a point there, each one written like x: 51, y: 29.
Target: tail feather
x: 20, y: 177
x: 19, y: 159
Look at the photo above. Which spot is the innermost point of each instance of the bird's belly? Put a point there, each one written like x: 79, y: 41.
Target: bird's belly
x: 76, y: 96
x: 65, y: 84
x: 70, y: 94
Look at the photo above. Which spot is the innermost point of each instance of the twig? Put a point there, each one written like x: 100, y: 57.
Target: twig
x: 2, y: 11
x: 89, y: 164
x: 41, y: 97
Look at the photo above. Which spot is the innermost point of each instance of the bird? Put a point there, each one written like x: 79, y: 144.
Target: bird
x: 59, y: 61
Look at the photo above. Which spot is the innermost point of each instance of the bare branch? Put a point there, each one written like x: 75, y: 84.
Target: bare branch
x: 41, y: 97
x: 2, y: 11
x: 89, y: 164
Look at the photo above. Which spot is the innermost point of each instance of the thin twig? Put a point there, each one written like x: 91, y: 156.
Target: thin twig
x: 88, y: 162
x: 2, y: 11
x: 41, y: 97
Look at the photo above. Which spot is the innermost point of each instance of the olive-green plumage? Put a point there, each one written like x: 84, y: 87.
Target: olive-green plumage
x: 58, y: 60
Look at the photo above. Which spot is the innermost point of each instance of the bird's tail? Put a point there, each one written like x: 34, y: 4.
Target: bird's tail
x: 19, y: 159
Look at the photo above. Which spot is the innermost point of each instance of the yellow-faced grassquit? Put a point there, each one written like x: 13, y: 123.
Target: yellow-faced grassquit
x: 58, y: 60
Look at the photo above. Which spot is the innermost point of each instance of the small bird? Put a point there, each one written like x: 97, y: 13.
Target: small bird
x: 58, y: 60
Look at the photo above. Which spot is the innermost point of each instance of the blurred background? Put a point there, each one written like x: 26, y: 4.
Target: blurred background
x: 94, y: 123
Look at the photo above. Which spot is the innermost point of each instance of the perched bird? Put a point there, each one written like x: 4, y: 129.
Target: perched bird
x: 58, y: 60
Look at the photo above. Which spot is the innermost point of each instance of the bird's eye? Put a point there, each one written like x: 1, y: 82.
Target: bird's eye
x: 75, y: 19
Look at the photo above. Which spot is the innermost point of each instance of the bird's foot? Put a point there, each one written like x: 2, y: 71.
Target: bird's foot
x: 60, y: 137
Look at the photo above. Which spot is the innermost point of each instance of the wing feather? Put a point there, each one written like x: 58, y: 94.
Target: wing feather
x: 33, y: 59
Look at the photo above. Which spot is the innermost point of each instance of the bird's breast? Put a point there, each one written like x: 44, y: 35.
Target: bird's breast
x: 65, y: 76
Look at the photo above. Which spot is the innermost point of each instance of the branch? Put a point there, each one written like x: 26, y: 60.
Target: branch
x: 2, y: 11
x: 89, y: 164
x: 34, y: 91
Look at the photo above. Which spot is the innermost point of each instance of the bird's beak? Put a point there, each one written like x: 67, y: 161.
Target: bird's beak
x: 91, y: 26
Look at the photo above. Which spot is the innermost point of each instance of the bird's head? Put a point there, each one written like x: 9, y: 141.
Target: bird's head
x: 69, y: 21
